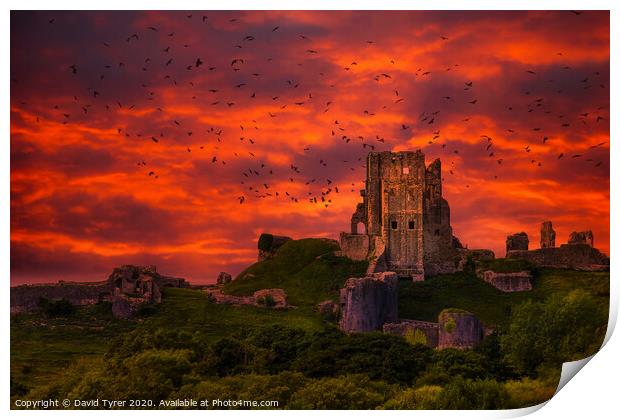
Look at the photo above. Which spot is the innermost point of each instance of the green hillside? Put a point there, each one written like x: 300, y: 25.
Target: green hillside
x: 306, y: 269
x: 464, y: 290
x: 44, y: 347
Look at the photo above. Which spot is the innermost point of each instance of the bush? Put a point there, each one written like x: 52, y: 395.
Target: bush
x: 355, y: 392
x: 467, y: 394
x: 422, y: 398
x: 449, y: 363
x: 265, y: 241
x: 267, y: 301
x: 528, y: 392
x: 416, y: 336
x: 56, y: 308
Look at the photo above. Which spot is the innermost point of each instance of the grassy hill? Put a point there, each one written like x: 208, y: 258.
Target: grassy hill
x: 306, y: 269
x: 464, y: 290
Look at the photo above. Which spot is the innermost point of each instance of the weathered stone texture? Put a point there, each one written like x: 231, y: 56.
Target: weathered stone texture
x: 429, y: 329
x: 517, y: 242
x: 369, y: 302
x: 581, y: 238
x: 128, y: 280
x: 278, y: 300
x: 25, y: 298
x: 547, y: 235
x: 403, y: 205
x: 354, y: 246
x: 474, y: 255
x: 509, y: 282
x: 276, y: 296
x: 224, y: 278
x: 577, y: 257
x: 459, y: 329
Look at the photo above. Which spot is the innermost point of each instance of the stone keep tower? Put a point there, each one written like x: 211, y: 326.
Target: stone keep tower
x: 406, y: 218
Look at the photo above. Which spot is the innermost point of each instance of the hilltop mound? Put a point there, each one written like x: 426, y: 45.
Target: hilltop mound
x: 309, y: 270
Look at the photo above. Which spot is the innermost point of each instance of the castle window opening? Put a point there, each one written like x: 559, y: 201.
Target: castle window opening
x: 411, y: 224
x: 436, y: 232
x: 361, y: 228
x: 394, y: 224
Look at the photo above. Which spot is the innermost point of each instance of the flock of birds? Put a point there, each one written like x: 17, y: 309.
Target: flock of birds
x: 262, y: 180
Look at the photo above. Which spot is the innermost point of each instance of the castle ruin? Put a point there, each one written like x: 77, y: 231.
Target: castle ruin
x: 405, y: 218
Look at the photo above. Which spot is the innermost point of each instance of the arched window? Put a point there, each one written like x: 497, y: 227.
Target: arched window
x: 394, y: 224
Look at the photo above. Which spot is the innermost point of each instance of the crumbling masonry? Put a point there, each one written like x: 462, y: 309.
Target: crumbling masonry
x: 406, y: 219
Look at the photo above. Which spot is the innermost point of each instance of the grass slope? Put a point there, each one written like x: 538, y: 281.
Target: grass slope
x: 306, y: 269
x: 425, y: 300
x: 42, y: 347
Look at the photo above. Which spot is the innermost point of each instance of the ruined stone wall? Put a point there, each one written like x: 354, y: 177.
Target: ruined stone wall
x: 581, y: 238
x: 376, y: 255
x: 578, y: 257
x: 401, y: 177
x: 476, y: 256
x: 439, y: 250
x: 405, y: 326
x: 128, y: 282
x: 547, y: 235
x: 369, y: 302
x: 517, y: 242
x: 25, y: 298
x: 509, y: 282
x: 403, y: 204
x: 354, y: 246
x: 459, y: 329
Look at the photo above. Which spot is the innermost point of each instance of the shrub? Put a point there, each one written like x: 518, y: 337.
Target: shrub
x: 265, y: 241
x: 450, y: 325
x: 354, y: 392
x: 467, y: 394
x: 528, y: 392
x: 267, y: 301
x: 422, y: 398
x: 56, y: 308
x: 416, y: 336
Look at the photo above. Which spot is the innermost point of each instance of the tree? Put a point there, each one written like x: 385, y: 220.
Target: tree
x: 563, y: 328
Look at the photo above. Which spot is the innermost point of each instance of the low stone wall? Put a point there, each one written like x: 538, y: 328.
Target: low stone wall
x: 369, y: 302
x: 577, y: 257
x: 25, y: 298
x: 258, y: 298
x: 509, y: 282
x: 354, y: 246
x: 430, y: 330
x: 476, y: 255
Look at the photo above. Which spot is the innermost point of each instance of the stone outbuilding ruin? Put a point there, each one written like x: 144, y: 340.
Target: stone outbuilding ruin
x: 577, y: 254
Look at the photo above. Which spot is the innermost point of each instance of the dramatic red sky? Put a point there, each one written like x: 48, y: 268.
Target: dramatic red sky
x: 96, y: 94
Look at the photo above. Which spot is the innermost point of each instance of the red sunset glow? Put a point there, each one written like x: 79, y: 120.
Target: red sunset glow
x: 176, y: 138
